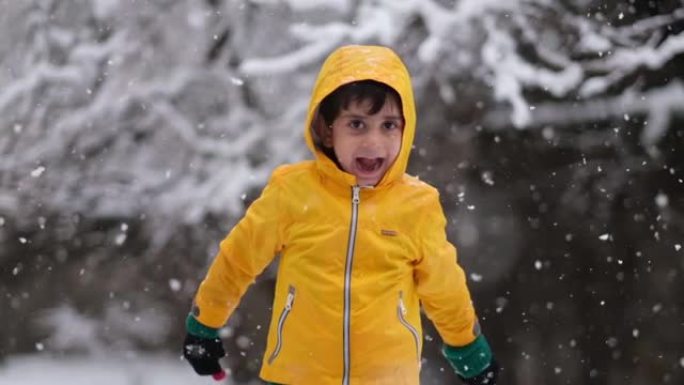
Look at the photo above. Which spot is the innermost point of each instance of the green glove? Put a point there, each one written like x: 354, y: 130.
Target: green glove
x: 473, y: 363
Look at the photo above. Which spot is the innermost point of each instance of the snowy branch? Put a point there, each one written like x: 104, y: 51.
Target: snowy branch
x: 658, y: 105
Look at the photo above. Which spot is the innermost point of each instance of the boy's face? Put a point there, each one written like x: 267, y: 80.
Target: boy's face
x: 366, y: 145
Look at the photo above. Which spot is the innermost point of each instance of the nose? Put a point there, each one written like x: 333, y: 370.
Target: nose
x: 373, y: 138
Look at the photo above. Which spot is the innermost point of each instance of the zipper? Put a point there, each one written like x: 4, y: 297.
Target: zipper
x: 401, y: 312
x: 281, y: 323
x: 356, y: 199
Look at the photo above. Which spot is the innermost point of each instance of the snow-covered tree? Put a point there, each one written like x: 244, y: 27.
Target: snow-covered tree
x: 134, y: 133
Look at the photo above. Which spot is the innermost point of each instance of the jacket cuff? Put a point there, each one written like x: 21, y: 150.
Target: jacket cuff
x: 194, y: 327
x: 469, y: 360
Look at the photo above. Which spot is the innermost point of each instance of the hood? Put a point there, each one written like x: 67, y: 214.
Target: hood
x: 353, y: 63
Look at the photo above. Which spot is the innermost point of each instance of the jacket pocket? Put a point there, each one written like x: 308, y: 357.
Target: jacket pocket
x: 281, y: 324
x: 401, y: 314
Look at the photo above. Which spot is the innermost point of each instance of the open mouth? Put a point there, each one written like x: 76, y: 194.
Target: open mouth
x: 369, y: 165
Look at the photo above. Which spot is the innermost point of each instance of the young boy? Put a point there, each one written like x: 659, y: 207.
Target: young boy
x: 362, y: 245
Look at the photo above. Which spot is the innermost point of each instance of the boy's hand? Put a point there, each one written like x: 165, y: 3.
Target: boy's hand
x: 487, y: 377
x: 473, y: 363
x: 203, y: 348
x: 203, y: 354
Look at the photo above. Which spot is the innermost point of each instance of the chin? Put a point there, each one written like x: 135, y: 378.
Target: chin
x: 368, y: 182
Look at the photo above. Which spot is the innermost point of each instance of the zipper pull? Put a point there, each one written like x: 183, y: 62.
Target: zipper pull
x: 402, y: 307
x: 356, y: 198
x: 290, y: 298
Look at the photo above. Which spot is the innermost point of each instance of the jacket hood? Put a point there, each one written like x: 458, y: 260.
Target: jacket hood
x: 354, y: 63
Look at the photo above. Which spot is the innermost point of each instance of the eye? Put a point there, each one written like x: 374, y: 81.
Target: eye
x: 356, y: 124
x: 390, y: 125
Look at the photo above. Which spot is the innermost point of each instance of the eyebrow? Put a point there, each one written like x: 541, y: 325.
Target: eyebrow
x: 356, y: 116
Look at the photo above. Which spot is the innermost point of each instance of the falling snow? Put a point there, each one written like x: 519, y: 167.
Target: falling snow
x: 120, y: 239
x: 662, y: 200
x: 38, y: 172
x: 174, y: 284
x: 117, y: 176
x: 487, y: 178
x: 237, y: 81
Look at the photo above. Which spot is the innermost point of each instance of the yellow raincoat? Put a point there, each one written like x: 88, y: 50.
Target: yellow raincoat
x: 356, y: 263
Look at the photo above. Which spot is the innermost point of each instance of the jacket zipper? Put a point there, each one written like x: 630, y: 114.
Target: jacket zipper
x: 281, y: 323
x: 401, y: 312
x: 356, y: 199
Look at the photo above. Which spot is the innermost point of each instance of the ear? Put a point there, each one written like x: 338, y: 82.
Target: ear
x: 323, y: 131
x: 327, y: 136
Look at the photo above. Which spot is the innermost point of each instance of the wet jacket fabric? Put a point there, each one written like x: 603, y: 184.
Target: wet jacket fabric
x: 355, y: 263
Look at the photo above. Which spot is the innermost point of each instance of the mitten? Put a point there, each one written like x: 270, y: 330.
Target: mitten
x: 202, y: 347
x: 488, y: 377
x: 473, y: 363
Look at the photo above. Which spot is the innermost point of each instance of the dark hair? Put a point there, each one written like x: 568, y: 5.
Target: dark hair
x: 375, y: 93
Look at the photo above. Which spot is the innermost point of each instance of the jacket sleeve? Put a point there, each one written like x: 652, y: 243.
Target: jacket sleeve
x: 249, y: 247
x: 441, y: 282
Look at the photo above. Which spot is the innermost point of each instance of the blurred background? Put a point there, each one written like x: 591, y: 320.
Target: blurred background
x: 134, y: 133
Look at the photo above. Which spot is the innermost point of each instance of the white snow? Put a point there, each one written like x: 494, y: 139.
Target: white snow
x: 461, y: 196
x: 69, y: 329
x: 593, y: 42
x: 38, y: 172
x: 513, y: 73
x: 175, y: 284
x: 629, y: 59
x: 293, y: 61
x: 237, y: 81
x: 488, y: 178
x: 120, y: 239
x: 104, y: 8
x: 662, y: 200
x: 41, y: 369
x: 174, y: 161
x: 305, y: 5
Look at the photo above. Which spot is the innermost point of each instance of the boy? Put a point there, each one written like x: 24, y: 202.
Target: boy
x: 362, y: 245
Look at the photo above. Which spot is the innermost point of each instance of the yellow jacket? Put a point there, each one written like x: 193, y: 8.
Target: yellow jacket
x: 356, y: 263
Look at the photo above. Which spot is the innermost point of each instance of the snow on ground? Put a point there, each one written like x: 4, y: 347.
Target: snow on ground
x: 138, y: 370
